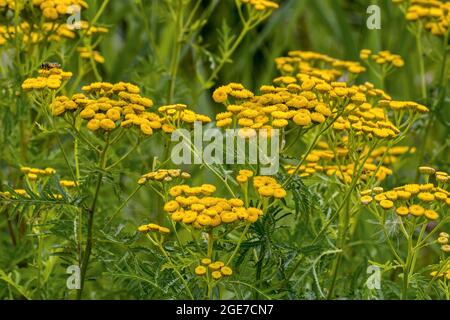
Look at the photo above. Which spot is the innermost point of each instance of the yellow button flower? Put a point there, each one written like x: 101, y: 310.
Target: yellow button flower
x: 431, y: 214
x: 386, y: 204
x: 426, y: 196
x: 206, y: 261
x: 200, y: 270
x: 171, y: 206
x: 228, y: 217
x: 416, y: 210
x: 266, y: 191
x: 366, y: 199
x: 226, y: 271
x: 402, y: 211
x: 216, y: 275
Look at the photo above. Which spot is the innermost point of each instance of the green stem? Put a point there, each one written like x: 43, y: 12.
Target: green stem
x: 90, y: 222
x: 421, y: 63
x: 123, y: 205
x: 210, y: 244
x: 407, y: 265
x: 345, y: 220
x: 164, y: 252
x: 175, y: 63
x: 238, y: 245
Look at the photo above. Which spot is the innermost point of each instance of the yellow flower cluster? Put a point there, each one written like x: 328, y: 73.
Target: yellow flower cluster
x: 46, y: 31
x: 433, y: 14
x: 364, y: 106
x: 415, y: 199
x: 244, y: 176
x: 109, y: 106
x: 163, y: 175
x: 441, y: 176
x: 35, y: 173
x: 197, y: 207
x: 51, y: 79
x: 153, y: 227
x: 363, y: 109
x: 276, y: 107
x: 261, y: 5
x: 177, y: 115
x: 86, y: 53
x: 335, y: 162
x: 385, y: 58
x: 445, y: 273
x: 218, y: 269
x: 54, y: 9
x: 17, y: 193
x: 443, y: 241
x: 234, y: 91
x: 364, y: 118
x: 268, y: 187
x: 410, y: 106
x: 305, y: 62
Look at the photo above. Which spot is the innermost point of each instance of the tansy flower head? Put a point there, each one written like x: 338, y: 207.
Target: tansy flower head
x: 200, y: 270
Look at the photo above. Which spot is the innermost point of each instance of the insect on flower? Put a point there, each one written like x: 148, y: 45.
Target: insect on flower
x: 50, y: 65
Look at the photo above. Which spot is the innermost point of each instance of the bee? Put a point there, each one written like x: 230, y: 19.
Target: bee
x: 50, y: 65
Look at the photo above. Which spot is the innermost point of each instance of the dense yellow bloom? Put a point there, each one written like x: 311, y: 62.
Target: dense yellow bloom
x: 165, y: 175
x: 48, y: 79
x: 47, y: 22
x: 174, y: 116
x: 36, y: 173
x: 217, y: 269
x: 433, y: 15
x: 404, y: 106
x: 268, y: 187
x: 304, y: 61
x: 197, y: 207
x: 108, y: 106
x: 415, y: 199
